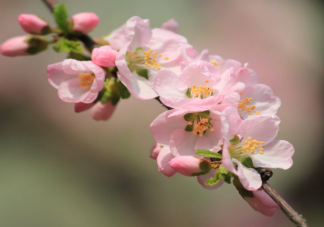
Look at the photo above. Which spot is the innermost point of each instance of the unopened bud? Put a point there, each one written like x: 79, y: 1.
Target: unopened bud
x: 23, y: 45
x: 80, y: 106
x: 85, y: 22
x: 104, y: 56
x: 102, y: 111
x: 33, y: 24
x: 189, y: 165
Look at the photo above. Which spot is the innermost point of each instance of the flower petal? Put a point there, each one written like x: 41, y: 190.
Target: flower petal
x: 56, y: 75
x: 71, y: 91
x: 163, y: 160
x: 277, y: 154
x: 171, y: 25
x: 249, y: 177
x: 262, y: 203
x: 183, y: 143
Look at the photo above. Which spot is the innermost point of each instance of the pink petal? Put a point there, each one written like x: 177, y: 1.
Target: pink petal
x: 56, y: 75
x: 80, y: 106
x: 249, y: 177
x: 117, y: 38
x: 155, y: 150
x: 164, y: 125
x: 183, y: 143
x: 277, y: 154
x: 163, y: 160
x: 262, y: 203
x: 171, y: 25
x: 186, y: 165
x: 261, y: 128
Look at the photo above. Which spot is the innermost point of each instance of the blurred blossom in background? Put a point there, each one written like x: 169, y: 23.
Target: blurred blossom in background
x: 58, y: 168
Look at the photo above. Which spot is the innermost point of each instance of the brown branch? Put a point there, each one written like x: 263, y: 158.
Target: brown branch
x: 296, y: 218
x: 88, y: 42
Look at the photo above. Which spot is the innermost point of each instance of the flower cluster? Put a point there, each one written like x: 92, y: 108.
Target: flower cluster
x: 220, y: 124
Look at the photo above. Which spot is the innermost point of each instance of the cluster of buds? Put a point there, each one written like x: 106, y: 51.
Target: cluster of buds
x: 220, y: 124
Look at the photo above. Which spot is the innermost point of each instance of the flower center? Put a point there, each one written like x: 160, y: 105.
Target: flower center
x: 252, y: 146
x: 140, y: 60
x: 86, y: 80
x: 214, y: 63
x: 243, y: 106
x: 200, y: 91
x: 201, y: 127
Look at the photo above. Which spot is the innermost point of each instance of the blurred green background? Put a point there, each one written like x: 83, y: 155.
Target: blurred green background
x: 61, y: 169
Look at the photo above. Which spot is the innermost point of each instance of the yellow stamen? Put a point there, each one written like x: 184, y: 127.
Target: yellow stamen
x: 166, y: 58
x: 86, y: 80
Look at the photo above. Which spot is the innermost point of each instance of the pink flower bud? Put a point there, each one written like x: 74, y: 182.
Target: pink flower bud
x: 85, y: 22
x: 186, y: 165
x: 102, y: 111
x: 16, y: 46
x: 104, y: 56
x: 80, y: 106
x: 33, y: 24
x: 155, y: 150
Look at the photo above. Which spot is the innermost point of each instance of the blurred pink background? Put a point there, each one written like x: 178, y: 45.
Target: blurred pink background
x: 58, y: 168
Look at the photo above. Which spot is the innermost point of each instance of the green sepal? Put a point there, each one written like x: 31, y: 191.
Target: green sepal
x: 143, y: 73
x: 189, y: 128
x: 214, y: 180
x: 235, y: 140
x: 123, y: 91
x: 208, y: 153
x: 227, y: 175
x: 61, y: 17
x: 205, y: 168
x: 205, y: 114
x: 36, y: 44
x: 78, y: 56
x: 46, y: 30
x: 247, y: 162
x: 138, y: 50
x: 67, y: 46
x: 188, y: 93
x: 243, y: 192
x: 109, y: 92
x: 190, y: 116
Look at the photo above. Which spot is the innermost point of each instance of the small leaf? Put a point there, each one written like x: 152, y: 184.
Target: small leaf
x: 247, y: 162
x: 189, y: 128
x: 227, y: 175
x: 208, y: 153
x: 205, y: 114
x: 67, y: 46
x: 143, y: 73
x: 123, y: 91
x: 61, y: 16
x: 235, y: 140
x: 189, y: 116
x: 205, y: 166
x: 78, y: 56
x: 215, y: 180
x: 243, y: 192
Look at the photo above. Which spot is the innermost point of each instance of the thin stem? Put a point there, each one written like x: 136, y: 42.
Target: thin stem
x: 88, y: 42
x: 296, y: 218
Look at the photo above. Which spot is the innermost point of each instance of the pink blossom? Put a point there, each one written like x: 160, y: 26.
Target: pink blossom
x: 102, y: 111
x: 171, y: 25
x: 16, y: 46
x: 104, y: 56
x: 33, y: 24
x: 163, y: 159
x: 85, y: 22
x: 186, y: 165
x: 144, y: 53
x: 262, y: 203
x: 185, y: 131
x: 156, y: 148
x: 200, y: 84
x: 257, y: 143
x: 76, y: 81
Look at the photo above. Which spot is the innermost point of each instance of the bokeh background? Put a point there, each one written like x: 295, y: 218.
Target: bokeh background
x: 61, y: 169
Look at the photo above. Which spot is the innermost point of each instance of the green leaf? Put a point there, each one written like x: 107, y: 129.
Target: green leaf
x: 247, y: 162
x: 215, y: 180
x: 208, y: 153
x: 189, y: 128
x: 61, y: 16
x: 78, y: 56
x: 143, y: 73
x: 235, y: 140
x: 67, y: 46
x: 123, y: 91
x: 243, y: 192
